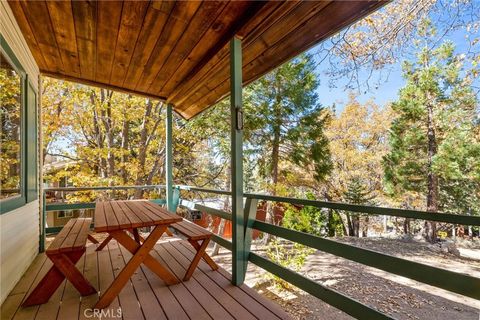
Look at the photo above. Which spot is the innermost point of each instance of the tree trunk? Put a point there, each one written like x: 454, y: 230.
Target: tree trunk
x: 365, y: 226
x: 356, y: 225
x: 99, y: 138
x: 274, y: 165
x: 124, y: 146
x: 406, y: 226
x: 349, y: 225
x: 331, y: 228
x: 108, y: 125
x: 142, y: 152
x: 432, y: 179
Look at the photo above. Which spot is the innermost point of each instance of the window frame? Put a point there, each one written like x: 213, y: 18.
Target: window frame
x: 14, y: 202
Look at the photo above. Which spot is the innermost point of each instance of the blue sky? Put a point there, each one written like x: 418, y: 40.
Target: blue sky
x: 386, y: 91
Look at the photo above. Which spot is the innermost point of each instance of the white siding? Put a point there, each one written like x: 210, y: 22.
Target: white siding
x: 19, y: 228
x: 19, y: 239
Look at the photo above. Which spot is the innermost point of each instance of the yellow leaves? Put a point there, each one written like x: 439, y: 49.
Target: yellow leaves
x: 357, y: 143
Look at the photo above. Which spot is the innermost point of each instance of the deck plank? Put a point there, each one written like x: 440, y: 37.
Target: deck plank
x: 207, y: 295
x: 191, y: 306
x: 71, y: 297
x: 168, y: 302
x: 30, y: 312
x: 128, y: 299
x: 16, y: 296
x: 213, y: 308
x: 105, y: 277
x: 50, y: 309
x: 238, y: 294
x: 91, y: 274
x: 149, y: 303
x: 219, y: 296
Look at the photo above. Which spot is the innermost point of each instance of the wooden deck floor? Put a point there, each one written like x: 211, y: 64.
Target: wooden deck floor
x: 207, y: 295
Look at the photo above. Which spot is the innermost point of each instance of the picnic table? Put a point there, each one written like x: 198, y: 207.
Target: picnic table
x: 118, y: 218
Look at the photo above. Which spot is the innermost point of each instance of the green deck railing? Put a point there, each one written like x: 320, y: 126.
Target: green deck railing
x: 452, y: 281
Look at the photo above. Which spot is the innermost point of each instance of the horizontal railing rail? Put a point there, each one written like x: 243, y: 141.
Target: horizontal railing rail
x: 414, y: 214
x: 385, y: 211
x: 75, y: 189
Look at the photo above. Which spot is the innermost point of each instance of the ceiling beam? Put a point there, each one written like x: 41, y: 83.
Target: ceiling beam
x: 249, y: 14
x: 100, y: 85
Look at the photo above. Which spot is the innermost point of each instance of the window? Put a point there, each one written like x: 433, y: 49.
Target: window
x: 10, y: 130
x: 18, y: 133
x: 64, y: 214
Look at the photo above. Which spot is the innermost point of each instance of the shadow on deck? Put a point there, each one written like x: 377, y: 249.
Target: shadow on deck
x: 207, y: 295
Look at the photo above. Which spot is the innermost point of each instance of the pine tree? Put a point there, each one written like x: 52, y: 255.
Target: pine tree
x: 433, y: 148
x: 356, y: 193
x: 284, y: 125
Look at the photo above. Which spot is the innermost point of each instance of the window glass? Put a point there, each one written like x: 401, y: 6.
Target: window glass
x: 10, y: 129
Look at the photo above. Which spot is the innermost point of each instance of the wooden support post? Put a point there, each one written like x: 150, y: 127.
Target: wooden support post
x: 169, y: 158
x: 250, y: 214
x: 236, y: 165
x: 176, y: 198
x: 43, y: 222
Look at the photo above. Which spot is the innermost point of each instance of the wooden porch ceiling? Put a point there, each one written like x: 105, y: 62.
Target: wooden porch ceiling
x: 175, y: 51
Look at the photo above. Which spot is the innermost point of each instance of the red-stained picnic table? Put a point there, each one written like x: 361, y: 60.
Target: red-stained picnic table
x: 117, y: 218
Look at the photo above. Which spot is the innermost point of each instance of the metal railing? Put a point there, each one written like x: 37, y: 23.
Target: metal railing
x: 452, y: 281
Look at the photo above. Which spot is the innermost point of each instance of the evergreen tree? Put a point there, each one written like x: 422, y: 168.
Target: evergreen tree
x: 284, y: 121
x: 356, y: 193
x: 284, y: 125
x: 434, y: 151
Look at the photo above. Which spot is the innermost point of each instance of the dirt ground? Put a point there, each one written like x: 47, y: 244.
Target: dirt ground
x: 399, y: 297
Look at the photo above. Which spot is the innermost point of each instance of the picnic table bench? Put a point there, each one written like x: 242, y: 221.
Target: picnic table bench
x: 199, y: 238
x: 65, y: 250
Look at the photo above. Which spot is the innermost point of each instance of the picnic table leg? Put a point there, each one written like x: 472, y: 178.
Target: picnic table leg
x: 205, y: 256
x: 137, y: 236
x: 140, y: 254
x: 104, y: 243
x: 49, y: 283
x: 66, y: 266
x: 92, y: 239
x: 150, y: 262
x: 196, y: 258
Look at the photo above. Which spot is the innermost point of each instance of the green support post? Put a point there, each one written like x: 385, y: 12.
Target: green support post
x: 43, y: 222
x: 176, y: 199
x: 236, y: 164
x: 169, y: 159
x: 250, y: 214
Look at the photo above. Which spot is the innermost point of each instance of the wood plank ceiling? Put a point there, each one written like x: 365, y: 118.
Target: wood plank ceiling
x: 174, y: 51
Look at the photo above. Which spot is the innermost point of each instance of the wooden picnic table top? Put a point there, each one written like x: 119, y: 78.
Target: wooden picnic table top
x: 127, y: 214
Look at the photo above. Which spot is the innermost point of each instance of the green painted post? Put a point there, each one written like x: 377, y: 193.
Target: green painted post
x: 250, y: 214
x: 43, y: 221
x: 169, y: 158
x: 236, y: 164
x: 176, y: 199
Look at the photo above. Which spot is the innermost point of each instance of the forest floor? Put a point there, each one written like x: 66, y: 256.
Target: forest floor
x: 399, y: 297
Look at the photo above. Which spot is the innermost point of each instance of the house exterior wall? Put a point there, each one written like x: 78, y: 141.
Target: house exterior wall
x: 19, y: 228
